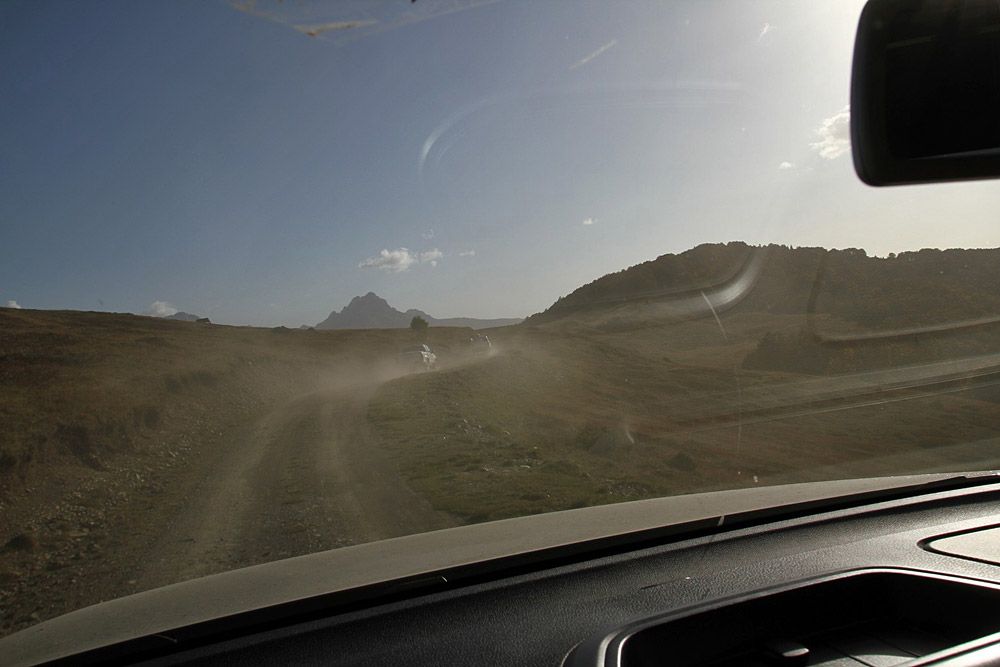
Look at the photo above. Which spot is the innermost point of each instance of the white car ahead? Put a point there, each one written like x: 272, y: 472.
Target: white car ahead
x: 419, y: 357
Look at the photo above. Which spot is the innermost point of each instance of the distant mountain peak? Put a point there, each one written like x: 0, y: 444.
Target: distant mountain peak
x: 370, y: 298
x: 373, y: 312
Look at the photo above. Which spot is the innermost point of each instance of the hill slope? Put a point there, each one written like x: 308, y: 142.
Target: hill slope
x: 912, y: 289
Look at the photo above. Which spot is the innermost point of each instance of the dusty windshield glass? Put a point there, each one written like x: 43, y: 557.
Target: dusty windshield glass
x: 286, y: 277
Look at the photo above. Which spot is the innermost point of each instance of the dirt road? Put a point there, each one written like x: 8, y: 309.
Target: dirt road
x: 305, y: 477
x: 298, y: 478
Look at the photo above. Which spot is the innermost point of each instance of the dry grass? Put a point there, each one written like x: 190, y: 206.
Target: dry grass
x: 566, y: 416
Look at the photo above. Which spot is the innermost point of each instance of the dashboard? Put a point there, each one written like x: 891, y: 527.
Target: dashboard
x: 890, y: 582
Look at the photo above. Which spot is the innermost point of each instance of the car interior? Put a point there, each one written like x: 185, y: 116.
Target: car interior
x: 901, y: 570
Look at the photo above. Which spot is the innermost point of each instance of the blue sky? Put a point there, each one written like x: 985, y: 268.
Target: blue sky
x: 465, y: 160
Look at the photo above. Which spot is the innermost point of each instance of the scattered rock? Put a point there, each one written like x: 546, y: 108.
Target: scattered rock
x: 24, y: 542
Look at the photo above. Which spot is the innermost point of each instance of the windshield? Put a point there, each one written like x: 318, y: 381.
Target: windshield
x: 286, y: 277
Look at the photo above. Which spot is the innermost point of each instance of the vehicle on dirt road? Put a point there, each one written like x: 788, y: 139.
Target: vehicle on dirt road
x: 418, y: 357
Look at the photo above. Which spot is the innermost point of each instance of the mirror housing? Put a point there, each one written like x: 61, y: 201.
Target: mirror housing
x: 925, y: 91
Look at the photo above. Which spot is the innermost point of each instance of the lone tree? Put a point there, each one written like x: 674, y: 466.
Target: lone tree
x: 418, y: 324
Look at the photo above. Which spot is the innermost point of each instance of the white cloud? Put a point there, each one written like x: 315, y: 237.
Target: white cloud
x: 763, y: 31
x: 401, y: 259
x: 587, y: 222
x: 431, y: 257
x: 428, y: 235
x: 587, y: 58
x: 786, y: 166
x: 467, y: 253
x: 834, y: 135
x: 390, y: 261
x: 161, y: 309
x: 13, y: 304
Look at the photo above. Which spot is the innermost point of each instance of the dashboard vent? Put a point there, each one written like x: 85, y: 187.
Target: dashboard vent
x: 875, y: 618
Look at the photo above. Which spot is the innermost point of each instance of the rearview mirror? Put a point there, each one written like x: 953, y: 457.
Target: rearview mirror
x: 925, y: 91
